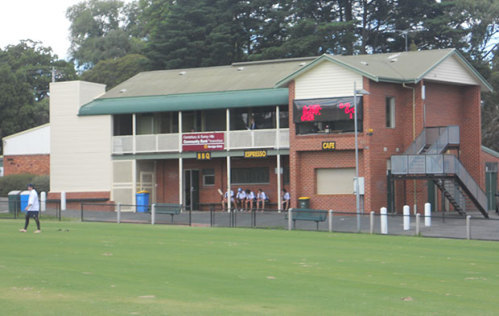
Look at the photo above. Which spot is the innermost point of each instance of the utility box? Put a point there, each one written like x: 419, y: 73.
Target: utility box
x: 14, y: 202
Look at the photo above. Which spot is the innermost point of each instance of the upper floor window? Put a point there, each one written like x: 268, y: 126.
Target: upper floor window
x: 122, y: 124
x: 258, y: 118
x: 332, y: 115
x: 390, y: 112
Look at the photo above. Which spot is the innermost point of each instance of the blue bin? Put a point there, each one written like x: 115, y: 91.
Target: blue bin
x: 24, y: 200
x: 142, y: 201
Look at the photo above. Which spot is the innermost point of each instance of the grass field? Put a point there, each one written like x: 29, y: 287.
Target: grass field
x: 109, y: 269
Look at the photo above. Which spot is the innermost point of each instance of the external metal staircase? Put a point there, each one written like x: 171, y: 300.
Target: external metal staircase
x: 425, y: 159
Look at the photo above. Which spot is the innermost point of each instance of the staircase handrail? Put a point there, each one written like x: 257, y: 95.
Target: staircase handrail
x: 417, y: 145
x: 448, y: 135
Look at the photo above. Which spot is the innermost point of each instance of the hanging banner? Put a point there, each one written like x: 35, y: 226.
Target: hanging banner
x: 326, y: 110
x: 203, y: 142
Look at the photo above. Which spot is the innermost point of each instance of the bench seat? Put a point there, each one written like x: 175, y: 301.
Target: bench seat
x: 304, y: 214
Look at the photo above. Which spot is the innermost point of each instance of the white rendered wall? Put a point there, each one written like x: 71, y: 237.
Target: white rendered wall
x: 34, y: 141
x: 80, y: 159
x: 326, y: 80
x: 451, y: 70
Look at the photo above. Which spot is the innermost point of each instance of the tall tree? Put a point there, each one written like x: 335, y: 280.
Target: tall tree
x: 26, y: 69
x: 101, y: 29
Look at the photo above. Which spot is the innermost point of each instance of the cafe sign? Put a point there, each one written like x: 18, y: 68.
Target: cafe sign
x: 328, y: 146
x: 255, y: 154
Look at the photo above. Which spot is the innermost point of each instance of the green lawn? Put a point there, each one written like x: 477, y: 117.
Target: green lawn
x: 109, y: 269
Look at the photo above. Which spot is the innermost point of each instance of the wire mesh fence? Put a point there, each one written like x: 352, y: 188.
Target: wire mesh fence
x: 439, y: 225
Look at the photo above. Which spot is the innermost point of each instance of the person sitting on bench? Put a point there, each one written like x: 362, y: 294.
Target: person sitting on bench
x: 261, y: 197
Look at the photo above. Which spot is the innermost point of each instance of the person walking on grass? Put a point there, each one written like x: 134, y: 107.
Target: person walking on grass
x: 32, y: 210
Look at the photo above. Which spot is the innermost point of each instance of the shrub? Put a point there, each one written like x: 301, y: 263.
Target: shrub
x: 20, y: 181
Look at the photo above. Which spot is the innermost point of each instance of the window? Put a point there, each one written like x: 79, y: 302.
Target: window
x: 390, y: 112
x: 166, y: 122
x: 335, y: 181
x: 208, y: 177
x: 249, y: 175
x: 330, y: 115
x: 122, y: 124
x: 285, y: 175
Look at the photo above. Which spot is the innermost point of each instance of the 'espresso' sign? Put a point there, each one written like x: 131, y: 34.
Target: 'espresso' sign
x: 328, y: 146
x: 255, y: 154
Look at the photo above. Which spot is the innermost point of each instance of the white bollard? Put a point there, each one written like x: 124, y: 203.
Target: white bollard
x: 330, y: 221
x: 407, y: 217
x: 468, y: 227
x: 415, y: 209
x: 290, y: 219
x: 427, y: 214
x: 418, y: 231
x: 384, y: 221
x: 43, y: 201
x: 63, y: 201
x: 371, y: 222
x: 153, y: 214
x: 118, y: 213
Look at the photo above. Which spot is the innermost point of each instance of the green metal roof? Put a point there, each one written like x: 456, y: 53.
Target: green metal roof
x: 405, y: 67
x: 186, y: 102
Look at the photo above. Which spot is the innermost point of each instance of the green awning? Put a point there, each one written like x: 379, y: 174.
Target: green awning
x: 186, y: 102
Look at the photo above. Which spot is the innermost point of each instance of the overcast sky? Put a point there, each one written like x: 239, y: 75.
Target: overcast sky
x: 39, y: 20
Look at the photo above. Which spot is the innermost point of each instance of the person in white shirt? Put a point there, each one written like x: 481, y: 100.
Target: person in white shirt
x: 225, y: 200
x: 32, y: 209
x: 250, y: 198
x: 285, y: 200
x: 261, y: 197
x: 240, y: 199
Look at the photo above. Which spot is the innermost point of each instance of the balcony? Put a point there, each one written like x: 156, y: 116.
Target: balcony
x: 171, y: 143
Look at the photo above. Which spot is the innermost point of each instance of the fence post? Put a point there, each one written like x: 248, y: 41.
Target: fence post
x: 427, y: 214
x: 118, y: 214
x: 153, y: 214
x: 211, y: 216
x: 418, y: 232
x: 43, y: 201
x: 330, y: 221
x: 63, y: 201
x: 468, y: 227
x: 290, y: 219
x: 407, y: 217
x: 384, y: 221
x: 371, y: 222
x: 59, y: 211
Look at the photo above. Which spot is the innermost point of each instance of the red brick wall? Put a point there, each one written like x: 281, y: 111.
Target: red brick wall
x: 168, y: 178
x: 445, y: 105
x: 33, y: 164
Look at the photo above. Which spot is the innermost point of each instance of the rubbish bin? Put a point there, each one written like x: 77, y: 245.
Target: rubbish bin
x: 24, y: 200
x: 14, y: 202
x: 142, y: 201
x: 303, y: 202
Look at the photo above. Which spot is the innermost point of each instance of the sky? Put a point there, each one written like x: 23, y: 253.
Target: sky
x: 39, y: 20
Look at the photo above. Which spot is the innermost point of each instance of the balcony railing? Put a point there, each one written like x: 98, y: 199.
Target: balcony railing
x: 170, y: 143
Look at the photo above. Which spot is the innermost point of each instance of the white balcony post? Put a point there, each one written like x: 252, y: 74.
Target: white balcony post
x: 180, y: 162
x: 134, y: 133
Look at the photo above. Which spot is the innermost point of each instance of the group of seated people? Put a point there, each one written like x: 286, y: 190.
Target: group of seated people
x: 245, y: 200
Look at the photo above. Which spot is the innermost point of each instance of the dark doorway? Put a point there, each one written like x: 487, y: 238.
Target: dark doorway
x: 191, y: 189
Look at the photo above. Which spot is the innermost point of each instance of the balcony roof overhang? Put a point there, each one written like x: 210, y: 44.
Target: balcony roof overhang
x: 186, y: 102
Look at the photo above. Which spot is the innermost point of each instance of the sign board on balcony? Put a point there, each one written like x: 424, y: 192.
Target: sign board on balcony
x: 203, y: 156
x: 328, y: 146
x: 203, y: 142
x: 326, y: 110
x: 255, y: 154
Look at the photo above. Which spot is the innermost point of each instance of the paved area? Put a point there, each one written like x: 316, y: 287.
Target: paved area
x: 448, y: 226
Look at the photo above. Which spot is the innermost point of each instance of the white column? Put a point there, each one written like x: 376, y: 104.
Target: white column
x: 180, y: 162
x: 134, y: 133
x: 63, y: 201
x: 227, y: 147
x: 407, y: 217
x: 279, y: 187
x: 427, y: 214
x: 43, y: 201
x: 384, y: 221
x: 279, y: 198
x: 134, y: 181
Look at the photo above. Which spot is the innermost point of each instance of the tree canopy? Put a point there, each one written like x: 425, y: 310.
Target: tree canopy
x: 26, y: 69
